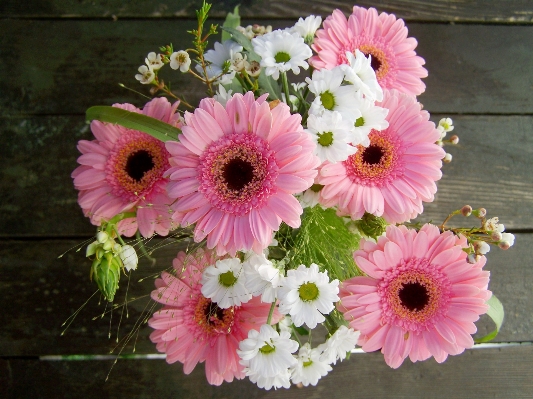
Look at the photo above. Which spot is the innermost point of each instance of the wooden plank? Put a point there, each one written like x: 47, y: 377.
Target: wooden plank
x: 40, y: 152
x: 427, y: 10
x: 40, y: 292
x: 469, y: 68
x: 494, y: 373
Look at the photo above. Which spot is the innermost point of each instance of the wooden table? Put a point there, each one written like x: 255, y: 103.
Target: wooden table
x: 59, y: 57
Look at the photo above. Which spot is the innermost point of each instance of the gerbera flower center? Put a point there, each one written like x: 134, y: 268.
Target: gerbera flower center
x: 328, y: 100
x: 414, y: 296
x: 325, y: 139
x: 378, y: 60
x: 308, y: 292
x: 135, y: 164
x: 237, y: 173
x: 213, y: 319
x: 282, y: 56
x: 227, y: 279
x: 376, y: 164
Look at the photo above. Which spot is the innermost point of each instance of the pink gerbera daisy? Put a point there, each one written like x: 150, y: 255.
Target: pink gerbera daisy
x: 383, y: 37
x: 421, y: 297
x: 123, y: 171
x: 236, y: 170
x: 191, y: 329
x: 395, y: 173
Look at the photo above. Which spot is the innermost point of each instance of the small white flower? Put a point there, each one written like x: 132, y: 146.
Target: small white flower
x: 282, y: 51
x: 129, y: 258
x: 154, y: 61
x: 360, y: 73
x: 310, y: 197
x: 267, y: 352
x: 262, y: 277
x: 372, y: 117
x: 331, y: 96
x: 238, y: 63
x: 446, y: 125
x: 507, y: 240
x: 307, y: 294
x: 306, y: 28
x: 222, y: 96
x: 218, y: 57
x: 146, y: 75
x: 481, y: 247
x: 332, y: 135
x: 224, y: 282
x: 180, y: 60
x: 309, y: 368
x: 338, y: 345
x: 493, y: 225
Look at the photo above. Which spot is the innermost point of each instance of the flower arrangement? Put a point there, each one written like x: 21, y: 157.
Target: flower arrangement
x: 295, y: 201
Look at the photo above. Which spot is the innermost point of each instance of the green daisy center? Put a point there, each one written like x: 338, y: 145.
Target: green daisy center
x: 359, y: 122
x: 227, y: 279
x: 308, y: 291
x: 325, y: 139
x: 328, y: 100
x: 266, y: 349
x: 308, y: 363
x: 282, y: 57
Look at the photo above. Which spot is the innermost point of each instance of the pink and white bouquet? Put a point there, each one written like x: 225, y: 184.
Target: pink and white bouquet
x: 295, y: 200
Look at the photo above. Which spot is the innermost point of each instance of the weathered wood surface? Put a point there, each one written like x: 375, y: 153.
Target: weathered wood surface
x: 480, y: 69
x: 59, y: 57
x: 426, y: 10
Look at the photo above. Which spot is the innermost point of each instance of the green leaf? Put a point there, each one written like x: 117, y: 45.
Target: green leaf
x: 233, y: 19
x: 244, y: 42
x: 268, y: 85
x: 133, y: 120
x: 496, y: 313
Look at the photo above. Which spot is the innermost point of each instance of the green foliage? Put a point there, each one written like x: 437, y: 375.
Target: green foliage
x: 132, y: 120
x: 497, y: 314
x: 233, y: 19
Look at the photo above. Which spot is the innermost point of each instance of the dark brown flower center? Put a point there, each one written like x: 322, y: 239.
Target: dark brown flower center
x: 414, y: 296
x: 372, y: 154
x: 138, y: 164
x: 375, y: 63
x: 238, y: 173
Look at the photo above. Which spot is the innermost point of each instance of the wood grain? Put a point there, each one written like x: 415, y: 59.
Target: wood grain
x: 472, y: 68
x: 426, y: 10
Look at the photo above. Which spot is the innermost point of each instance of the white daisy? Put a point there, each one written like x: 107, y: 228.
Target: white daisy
x: 332, y: 135
x: 266, y: 352
x: 154, y: 60
x: 307, y: 294
x: 224, y: 282
x: 280, y: 380
x: 306, y: 28
x: 146, y: 75
x: 282, y: 51
x: 338, y: 345
x: 180, y: 60
x: 262, y: 277
x: 360, y: 73
x: 372, y: 117
x: 222, y: 54
x: 309, y: 368
x: 331, y: 96
x: 310, y: 197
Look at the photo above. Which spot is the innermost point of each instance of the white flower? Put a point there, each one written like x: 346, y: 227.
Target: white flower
x: 282, y: 51
x: 238, y: 63
x: 267, y: 353
x: 338, y: 345
x: 218, y: 57
x: 372, y: 117
x: 285, y: 324
x: 180, y: 60
x: 154, y: 61
x: 223, y: 283
x: 493, y: 225
x: 146, y: 75
x: 481, y: 247
x: 331, y: 96
x: 280, y: 380
x: 306, y: 28
x: 446, y: 125
x: 360, y: 73
x: 508, y: 239
x: 310, y: 198
x: 129, y: 258
x: 332, y: 135
x: 222, y: 96
x: 262, y: 277
x: 307, y: 294
x: 309, y: 368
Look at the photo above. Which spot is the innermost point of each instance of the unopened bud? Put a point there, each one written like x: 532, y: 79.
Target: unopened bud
x: 371, y: 225
x: 481, y: 247
x: 91, y: 248
x: 479, y: 213
x: 253, y: 69
x: 109, y: 244
x: 496, y: 236
x: 466, y: 210
x: 447, y: 158
x: 102, y: 237
x: 504, y: 245
x: 454, y: 139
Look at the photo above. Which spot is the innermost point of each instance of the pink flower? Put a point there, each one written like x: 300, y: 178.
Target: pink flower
x: 421, y: 296
x: 191, y: 329
x: 123, y: 171
x: 395, y: 173
x: 235, y: 171
x: 381, y: 36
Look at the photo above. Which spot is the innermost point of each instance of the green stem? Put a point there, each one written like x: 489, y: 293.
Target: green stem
x: 271, y: 312
x: 285, y: 83
x: 143, y: 248
x: 295, y: 335
x: 118, y: 236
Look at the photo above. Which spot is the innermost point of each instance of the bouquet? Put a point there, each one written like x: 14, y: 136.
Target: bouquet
x: 291, y: 200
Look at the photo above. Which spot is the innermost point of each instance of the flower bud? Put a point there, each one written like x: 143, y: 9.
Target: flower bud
x: 507, y: 240
x: 466, y: 210
x: 496, y: 236
x: 109, y: 244
x: 479, y: 213
x: 481, y: 247
x: 129, y: 258
x: 102, y: 237
x: 447, y: 158
x: 454, y: 139
x: 106, y: 273
x: 372, y: 226
x: 91, y: 248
